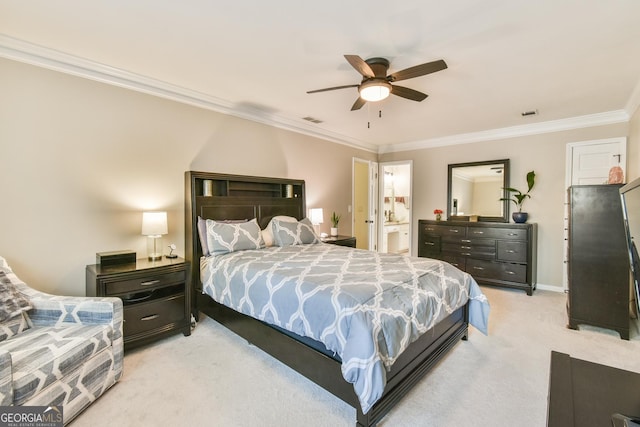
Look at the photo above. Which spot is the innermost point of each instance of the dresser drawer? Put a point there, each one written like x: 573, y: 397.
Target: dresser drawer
x: 149, y: 316
x: 459, y: 262
x: 481, y: 269
x: 515, y: 251
x: 144, y: 282
x: 444, y: 230
x: 429, y: 246
x: 498, y: 233
x: 475, y: 248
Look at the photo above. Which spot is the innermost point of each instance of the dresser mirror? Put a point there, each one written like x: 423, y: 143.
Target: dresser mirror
x: 474, y: 191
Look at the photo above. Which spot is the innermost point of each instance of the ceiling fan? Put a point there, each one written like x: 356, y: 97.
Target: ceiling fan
x: 376, y: 84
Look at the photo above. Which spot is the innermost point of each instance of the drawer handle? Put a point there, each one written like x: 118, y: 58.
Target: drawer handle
x: 429, y: 243
x: 465, y: 241
x: 465, y: 247
x: 150, y: 282
x: 150, y: 317
x: 477, y: 232
x: 510, y: 251
x: 465, y: 254
x: 510, y: 272
x: 478, y: 268
x: 512, y: 234
x: 453, y: 230
x: 430, y: 229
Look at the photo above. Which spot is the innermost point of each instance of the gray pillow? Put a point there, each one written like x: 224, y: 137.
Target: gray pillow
x: 12, y: 302
x: 293, y: 233
x: 224, y: 237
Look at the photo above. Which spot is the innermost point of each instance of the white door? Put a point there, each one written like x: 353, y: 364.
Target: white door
x: 589, y: 162
x: 365, y: 190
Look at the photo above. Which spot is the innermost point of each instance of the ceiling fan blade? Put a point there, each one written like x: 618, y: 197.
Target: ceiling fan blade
x: 358, y: 104
x: 418, y: 70
x: 407, y: 93
x: 332, y: 88
x: 360, y: 66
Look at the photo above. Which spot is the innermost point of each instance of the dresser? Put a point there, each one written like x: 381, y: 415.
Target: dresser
x: 597, y: 259
x: 497, y: 254
x: 154, y: 295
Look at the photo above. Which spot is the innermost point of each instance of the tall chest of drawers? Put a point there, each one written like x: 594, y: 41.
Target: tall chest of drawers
x: 498, y: 254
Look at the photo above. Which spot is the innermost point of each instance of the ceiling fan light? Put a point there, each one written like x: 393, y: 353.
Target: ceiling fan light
x: 374, y: 91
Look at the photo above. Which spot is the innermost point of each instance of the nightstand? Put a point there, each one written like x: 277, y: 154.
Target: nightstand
x: 155, y: 295
x: 340, y: 240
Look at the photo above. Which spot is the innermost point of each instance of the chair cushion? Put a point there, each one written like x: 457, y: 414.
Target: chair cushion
x: 12, y: 302
x: 43, y: 355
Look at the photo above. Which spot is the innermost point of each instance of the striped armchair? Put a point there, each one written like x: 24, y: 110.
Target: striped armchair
x: 56, y: 350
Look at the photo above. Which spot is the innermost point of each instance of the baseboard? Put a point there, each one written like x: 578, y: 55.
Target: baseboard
x: 552, y: 288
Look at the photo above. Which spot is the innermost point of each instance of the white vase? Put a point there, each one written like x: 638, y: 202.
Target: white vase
x: 334, y: 231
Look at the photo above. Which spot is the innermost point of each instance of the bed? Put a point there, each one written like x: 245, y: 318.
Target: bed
x: 229, y: 276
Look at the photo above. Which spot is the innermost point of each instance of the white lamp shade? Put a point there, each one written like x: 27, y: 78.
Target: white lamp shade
x: 315, y: 215
x: 154, y: 223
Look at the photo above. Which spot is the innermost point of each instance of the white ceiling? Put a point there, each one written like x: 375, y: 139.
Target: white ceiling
x: 575, y: 61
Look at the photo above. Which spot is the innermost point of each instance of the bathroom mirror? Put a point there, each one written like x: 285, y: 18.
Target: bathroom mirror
x: 474, y: 191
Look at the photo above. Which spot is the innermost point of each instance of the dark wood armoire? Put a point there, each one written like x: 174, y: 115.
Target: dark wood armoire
x: 598, y: 263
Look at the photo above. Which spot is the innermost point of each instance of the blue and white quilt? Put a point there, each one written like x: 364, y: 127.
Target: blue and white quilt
x: 364, y: 306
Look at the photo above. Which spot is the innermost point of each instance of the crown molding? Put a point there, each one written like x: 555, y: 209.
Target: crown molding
x: 634, y: 101
x: 598, y: 119
x: 22, y: 51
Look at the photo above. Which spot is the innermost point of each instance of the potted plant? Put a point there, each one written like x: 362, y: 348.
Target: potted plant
x: 335, y: 220
x: 518, y: 197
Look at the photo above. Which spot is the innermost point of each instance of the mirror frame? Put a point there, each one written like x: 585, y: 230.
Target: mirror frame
x: 505, y: 182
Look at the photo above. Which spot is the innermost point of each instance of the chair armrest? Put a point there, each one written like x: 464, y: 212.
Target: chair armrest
x: 6, y: 378
x: 53, y: 310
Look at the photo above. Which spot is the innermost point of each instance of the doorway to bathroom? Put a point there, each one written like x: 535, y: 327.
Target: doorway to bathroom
x: 394, y: 211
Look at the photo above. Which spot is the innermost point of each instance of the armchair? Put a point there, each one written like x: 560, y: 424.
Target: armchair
x: 56, y: 350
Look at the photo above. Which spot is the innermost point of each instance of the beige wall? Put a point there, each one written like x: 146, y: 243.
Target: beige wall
x: 81, y: 160
x: 543, y: 153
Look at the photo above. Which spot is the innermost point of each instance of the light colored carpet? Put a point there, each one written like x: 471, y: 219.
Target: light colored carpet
x: 214, y: 378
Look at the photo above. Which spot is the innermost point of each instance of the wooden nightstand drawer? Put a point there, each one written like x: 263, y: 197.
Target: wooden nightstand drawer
x: 155, y: 295
x: 146, y: 317
x: 144, y: 282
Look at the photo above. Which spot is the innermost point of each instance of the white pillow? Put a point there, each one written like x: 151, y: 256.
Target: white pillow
x: 267, y: 233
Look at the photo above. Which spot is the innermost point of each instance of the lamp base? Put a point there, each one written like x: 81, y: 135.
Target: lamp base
x: 154, y: 248
x: 171, y: 256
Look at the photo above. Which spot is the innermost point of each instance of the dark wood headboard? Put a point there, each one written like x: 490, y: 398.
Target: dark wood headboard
x: 228, y: 197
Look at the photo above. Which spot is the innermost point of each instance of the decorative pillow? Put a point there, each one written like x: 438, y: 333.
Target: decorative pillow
x: 267, y: 234
x: 202, y: 232
x: 12, y: 302
x: 293, y: 233
x: 223, y: 237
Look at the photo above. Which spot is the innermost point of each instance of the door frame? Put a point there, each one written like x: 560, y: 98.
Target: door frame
x: 380, y: 217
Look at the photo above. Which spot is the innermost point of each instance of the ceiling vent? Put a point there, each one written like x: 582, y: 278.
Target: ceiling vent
x: 312, y: 120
